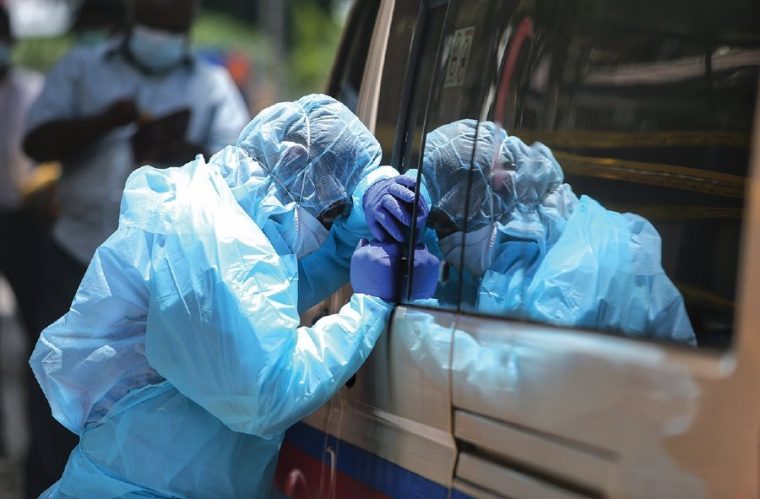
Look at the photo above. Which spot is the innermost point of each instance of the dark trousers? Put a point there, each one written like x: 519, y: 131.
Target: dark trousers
x: 7, y: 234
x: 50, y: 443
x: 21, y: 236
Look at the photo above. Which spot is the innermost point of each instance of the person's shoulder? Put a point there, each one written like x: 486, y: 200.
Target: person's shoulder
x: 92, y: 55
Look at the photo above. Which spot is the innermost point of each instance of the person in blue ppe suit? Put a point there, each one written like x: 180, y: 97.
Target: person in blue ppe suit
x: 526, y: 246
x: 181, y: 361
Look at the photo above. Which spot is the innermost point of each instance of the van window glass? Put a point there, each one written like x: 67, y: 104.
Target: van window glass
x: 463, y: 58
x: 394, y: 70
x: 614, y: 165
x: 347, y: 79
x: 412, y: 139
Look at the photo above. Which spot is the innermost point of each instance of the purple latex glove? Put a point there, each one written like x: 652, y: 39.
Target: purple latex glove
x: 388, y: 208
x: 424, y: 274
x: 376, y: 269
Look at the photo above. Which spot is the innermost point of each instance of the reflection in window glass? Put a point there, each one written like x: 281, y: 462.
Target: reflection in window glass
x: 420, y: 91
x: 463, y: 207
x: 464, y: 63
x: 542, y: 253
x: 457, y: 94
x: 641, y: 108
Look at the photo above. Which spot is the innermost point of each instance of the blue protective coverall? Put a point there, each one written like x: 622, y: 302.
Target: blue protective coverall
x: 533, y: 249
x: 181, y: 361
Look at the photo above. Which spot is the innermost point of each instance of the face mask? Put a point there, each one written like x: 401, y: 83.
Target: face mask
x: 5, y: 55
x: 310, y: 233
x: 478, y: 246
x: 157, y: 50
x: 295, y: 232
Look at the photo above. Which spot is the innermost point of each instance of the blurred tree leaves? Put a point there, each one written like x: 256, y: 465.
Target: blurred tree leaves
x: 219, y: 30
x: 41, y: 53
x: 315, y: 35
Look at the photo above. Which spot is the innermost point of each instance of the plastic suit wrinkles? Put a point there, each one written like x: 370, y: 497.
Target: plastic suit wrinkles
x: 181, y: 361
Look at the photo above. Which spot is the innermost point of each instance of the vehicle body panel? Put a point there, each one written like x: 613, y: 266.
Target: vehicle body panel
x: 469, y: 404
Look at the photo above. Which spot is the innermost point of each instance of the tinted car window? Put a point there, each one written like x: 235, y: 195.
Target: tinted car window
x: 614, y: 165
x: 397, y: 56
x: 347, y: 79
x: 461, y: 59
x: 410, y: 144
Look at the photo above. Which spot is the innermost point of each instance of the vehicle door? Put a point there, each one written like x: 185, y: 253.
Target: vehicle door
x: 307, y: 467
x: 571, y: 369
x: 388, y: 433
x: 391, y: 431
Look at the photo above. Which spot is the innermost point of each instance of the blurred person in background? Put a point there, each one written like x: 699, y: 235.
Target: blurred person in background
x: 98, y: 20
x: 142, y: 98
x: 18, y: 89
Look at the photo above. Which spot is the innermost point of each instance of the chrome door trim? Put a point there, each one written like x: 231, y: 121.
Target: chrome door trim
x: 369, y: 95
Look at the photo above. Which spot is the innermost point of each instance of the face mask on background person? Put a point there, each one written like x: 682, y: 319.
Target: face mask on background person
x: 157, y: 50
x: 478, y: 246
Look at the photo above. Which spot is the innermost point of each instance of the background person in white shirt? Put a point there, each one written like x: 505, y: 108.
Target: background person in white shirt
x: 106, y: 109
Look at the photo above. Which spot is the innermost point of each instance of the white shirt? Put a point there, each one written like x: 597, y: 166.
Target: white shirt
x: 84, y: 83
x: 17, y: 92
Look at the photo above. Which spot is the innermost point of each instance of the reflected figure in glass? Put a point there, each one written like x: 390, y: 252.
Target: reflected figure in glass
x: 518, y: 242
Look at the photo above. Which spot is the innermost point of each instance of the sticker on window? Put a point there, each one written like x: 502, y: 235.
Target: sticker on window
x: 459, y: 58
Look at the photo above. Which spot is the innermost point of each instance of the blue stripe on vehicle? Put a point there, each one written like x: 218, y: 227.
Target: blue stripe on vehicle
x: 378, y: 473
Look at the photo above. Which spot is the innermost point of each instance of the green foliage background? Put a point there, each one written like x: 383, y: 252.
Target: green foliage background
x: 41, y: 53
x: 316, y: 34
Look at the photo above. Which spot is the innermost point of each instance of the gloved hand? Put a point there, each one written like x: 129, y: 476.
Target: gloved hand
x: 376, y: 269
x: 388, y: 208
x: 424, y: 274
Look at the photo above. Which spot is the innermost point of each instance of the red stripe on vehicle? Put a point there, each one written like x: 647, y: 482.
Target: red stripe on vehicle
x: 300, y: 476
